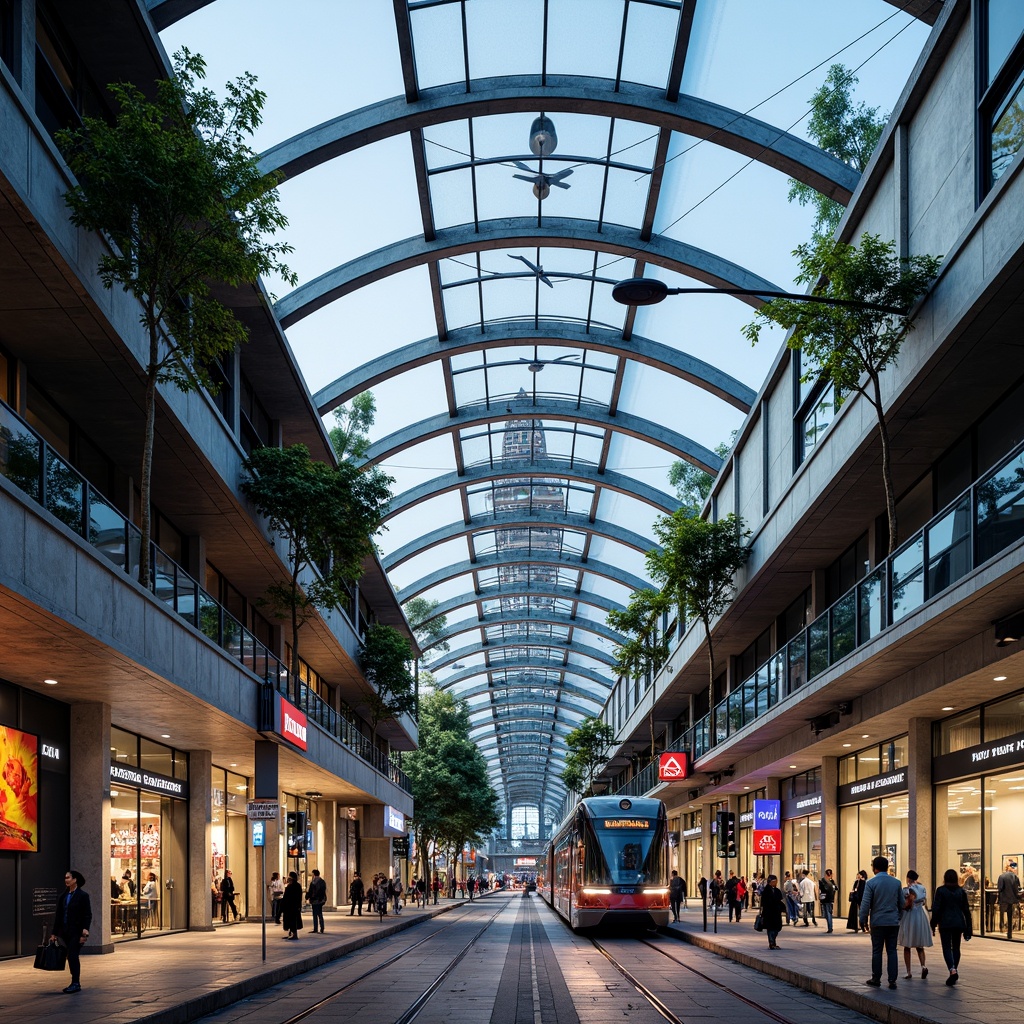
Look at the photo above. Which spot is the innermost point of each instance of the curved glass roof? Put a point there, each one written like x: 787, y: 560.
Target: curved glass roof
x: 460, y: 265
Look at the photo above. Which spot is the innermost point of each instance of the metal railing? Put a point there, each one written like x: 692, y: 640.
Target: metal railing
x: 33, y: 466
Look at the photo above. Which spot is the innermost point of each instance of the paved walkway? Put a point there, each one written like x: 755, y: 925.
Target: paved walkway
x: 837, y: 965
x: 173, y: 979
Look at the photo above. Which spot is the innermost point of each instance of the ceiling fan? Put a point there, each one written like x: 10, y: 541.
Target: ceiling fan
x: 536, y: 365
x: 535, y: 267
x: 542, y: 182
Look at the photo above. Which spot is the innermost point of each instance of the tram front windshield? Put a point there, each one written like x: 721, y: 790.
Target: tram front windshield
x: 631, y: 852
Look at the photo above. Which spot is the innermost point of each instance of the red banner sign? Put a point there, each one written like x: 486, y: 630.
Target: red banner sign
x: 767, y: 842
x: 293, y: 725
x: 673, y: 767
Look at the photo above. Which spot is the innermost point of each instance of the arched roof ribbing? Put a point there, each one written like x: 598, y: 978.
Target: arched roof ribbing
x: 525, y: 590
x: 520, y: 619
x: 557, y: 646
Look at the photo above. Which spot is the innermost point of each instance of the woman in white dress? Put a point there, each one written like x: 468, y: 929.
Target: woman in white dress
x: 915, y: 930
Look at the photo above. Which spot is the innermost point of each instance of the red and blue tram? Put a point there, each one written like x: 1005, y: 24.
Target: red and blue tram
x: 608, y: 864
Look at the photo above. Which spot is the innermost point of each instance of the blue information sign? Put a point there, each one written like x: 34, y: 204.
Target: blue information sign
x: 258, y: 833
x: 767, y: 815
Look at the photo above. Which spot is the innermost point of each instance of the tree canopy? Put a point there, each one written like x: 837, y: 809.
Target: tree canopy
x: 645, y: 647
x: 174, y: 185
x: 693, y: 485
x: 427, y: 626
x: 385, y: 656
x: 589, y: 745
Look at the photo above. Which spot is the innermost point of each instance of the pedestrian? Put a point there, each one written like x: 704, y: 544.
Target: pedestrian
x: 381, y: 896
x: 471, y: 886
x: 743, y: 893
x: 421, y: 892
x: 291, y: 907
x: 772, y: 903
x: 856, y: 895
x: 791, y: 890
x: 71, y: 924
x: 827, y: 890
x: 676, y: 888
x: 1008, y: 894
x: 915, y: 931
x: 808, y: 897
x: 702, y: 888
x: 356, y: 893
x: 717, y: 891
x: 275, y: 890
x: 436, y: 887
x: 881, y: 903
x: 951, y: 914
x: 316, y: 897
x: 227, y: 897
x: 398, y: 890
x: 732, y: 896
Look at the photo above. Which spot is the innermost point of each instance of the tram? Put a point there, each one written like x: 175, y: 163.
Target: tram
x: 608, y: 864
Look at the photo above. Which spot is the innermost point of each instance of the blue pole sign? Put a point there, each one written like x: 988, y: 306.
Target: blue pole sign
x: 767, y: 815
x: 258, y: 833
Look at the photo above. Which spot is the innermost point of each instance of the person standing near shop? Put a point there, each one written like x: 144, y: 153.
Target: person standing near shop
x: 732, y: 896
x: 316, y: 897
x: 882, y: 904
x: 676, y: 887
x: 791, y: 890
x: 356, y: 894
x: 951, y: 914
x: 71, y: 924
x: 275, y: 890
x: 856, y: 895
x: 291, y: 907
x: 827, y: 890
x: 772, y: 902
x: 1008, y: 894
x: 227, y: 897
x: 807, y: 898
x: 915, y: 932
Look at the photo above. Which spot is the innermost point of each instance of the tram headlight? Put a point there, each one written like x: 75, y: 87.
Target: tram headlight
x: 598, y: 892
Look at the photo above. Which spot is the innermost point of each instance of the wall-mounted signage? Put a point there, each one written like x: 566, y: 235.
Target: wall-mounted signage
x: 673, y: 767
x: 290, y: 723
x: 984, y: 757
x: 876, y: 786
x: 692, y: 833
x: 128, y: 775
x: 394, y: 822
x: 19, y: 794
x: 262, y: 810
x: 400, y: 846
x: 259, y: 833
x: 798, y: 806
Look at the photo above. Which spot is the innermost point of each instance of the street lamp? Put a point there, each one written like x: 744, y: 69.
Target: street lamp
x: 647, y: 291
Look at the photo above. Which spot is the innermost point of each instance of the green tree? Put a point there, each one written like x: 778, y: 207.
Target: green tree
x: 350, y: 435
x: 847, y: 130
x: 385, y: 656
x: 428, y: 628
x: 852, y: 345
x: 644, y: 647
x: 696, y: 567
x: 325, y: 516
x: 693, y: 485
x: 175, y: 187
x: 589, y: 745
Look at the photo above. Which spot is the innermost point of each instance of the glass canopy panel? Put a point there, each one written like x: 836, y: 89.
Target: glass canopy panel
x: 526, y: 573
x: 650, y: 39
x: 584, y: 40
x: 504, y: 38
x: 643, y: 461
x: 451, y: 203
x: 437, y: 42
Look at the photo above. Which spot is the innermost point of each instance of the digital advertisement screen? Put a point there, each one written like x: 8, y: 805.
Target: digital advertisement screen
x: 19, y: 794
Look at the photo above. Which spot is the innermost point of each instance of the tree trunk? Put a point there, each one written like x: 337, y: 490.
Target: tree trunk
x: 295, y: 636
x: 890, y: 490
x: 145, y: 482
x: 711, y: 680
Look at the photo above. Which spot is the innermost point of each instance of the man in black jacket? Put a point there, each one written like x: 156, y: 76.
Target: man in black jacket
x: 356, y: 894
x: 71, y: 924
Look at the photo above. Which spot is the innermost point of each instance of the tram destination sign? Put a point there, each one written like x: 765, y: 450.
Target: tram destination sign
x: 627, y: 823
x: 262, y: 810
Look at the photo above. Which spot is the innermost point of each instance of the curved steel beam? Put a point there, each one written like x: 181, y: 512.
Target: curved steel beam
x: 518, y: 520
x: 545, y: 723
x: 559, y: 410
x: 525, y: 332
x: 581, y: 671
x: 510, y: 618
x: 566, y: 561
x: 482, y: 689
x: 166, y: 12
x: 504, y: 643
x: 514, y: 589
x: 544, y: 468
x: 518, y: 232
x: 577, y: 94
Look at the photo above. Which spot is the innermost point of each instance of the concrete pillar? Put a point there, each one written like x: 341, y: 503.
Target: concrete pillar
x: 919, y: 784
x: 829, y: 813
x: 200, y: 912
x: 265, y: 784
x: 90, y: 814
x: 327, y: 857
x: 25, y: 65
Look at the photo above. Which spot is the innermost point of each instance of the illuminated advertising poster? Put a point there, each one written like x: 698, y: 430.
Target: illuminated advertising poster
x: 673, y: 766
x: 19, y: 795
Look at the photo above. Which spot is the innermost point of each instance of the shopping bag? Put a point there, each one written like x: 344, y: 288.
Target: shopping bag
x: 758, y: 924
x: 51, y: 957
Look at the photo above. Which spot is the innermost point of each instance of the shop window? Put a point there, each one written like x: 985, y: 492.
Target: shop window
x: 1000, y: 82
x: 958, y: 732
x: 155, y: 757
x: 1005, y: 718
x: 847, y: 769
x: 894, y: 754
x: 124, y: 747
x: 7, y: 24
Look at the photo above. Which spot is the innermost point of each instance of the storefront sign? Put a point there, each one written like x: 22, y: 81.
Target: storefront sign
x: 262, y: 810
x: 875, y: 786
x: 291, y: 723
x: 394, y: 822
x: 673, y: 767
x: 525, y: 862
x: 692, y: 833
x: 746, y: 819
x: 400, y: 847
x: 767, y: 815
x: 985, y: 757
x: 259, y: 832
x: 19, y: 794
x: 767, y: 842
x: 127, y: 775
x: 801, y: 805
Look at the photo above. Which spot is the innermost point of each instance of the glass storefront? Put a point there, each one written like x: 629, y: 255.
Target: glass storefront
x: 875, y: 828
x: 148, y: 837
x: 229, y: 844
x: 801, y: 845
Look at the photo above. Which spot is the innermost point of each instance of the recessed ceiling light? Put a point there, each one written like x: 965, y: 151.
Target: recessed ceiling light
x: 746, y: 787
x: 865, y: 736
x: 50, y: 682
x: 234, y: 764
x: 792, y: 766
x: 165, y: 735
x: 998, y: 679
x: 847, y: 744
x: 948, y: 709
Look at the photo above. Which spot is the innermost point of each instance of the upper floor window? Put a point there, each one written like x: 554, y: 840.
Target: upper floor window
x: 1000, y: 86
x: 7, y: 33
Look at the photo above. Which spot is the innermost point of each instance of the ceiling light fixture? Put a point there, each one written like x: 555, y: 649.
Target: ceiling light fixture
x: 165, y: 735
x: 50, y: 682
x: 847, y: 744
x: 543, y: 140
x: 865, y: 735
x: 950, y: 708
x: 997, y: 679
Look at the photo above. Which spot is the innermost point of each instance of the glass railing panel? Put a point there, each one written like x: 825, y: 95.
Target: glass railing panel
x: 186, y: 595
x: 749, y: 700
x: 871, y: 604
x: 164, y: 585
x: 777, y: 676
x: 817, y: 646
x: 949, y: 546
x: 134, y: 550
x: 844, y: 626
x: 907, y: 573
x: 65, y: 492
x: 231, y: 637
x: 999, y: 508
x: 796, y: 662
x: 209, y: 617
x: 106, y: 528
x: 721, y: 723
x: 20, y: 453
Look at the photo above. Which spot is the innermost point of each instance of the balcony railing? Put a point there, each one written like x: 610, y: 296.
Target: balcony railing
x: 40, y: 472
x: 982, y: 522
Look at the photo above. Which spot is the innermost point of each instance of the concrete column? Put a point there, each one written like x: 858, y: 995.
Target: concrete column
x: 265, y: 784
x: 200, y: 913
x: 327, y: 836
x: 829, y: 813
x: 919, y: 780
x: 901, y: 179
x: 25, y: 64
x: 90, y: 814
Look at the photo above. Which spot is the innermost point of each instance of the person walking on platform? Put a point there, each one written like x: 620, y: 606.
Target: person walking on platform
x: 808, y: 895
x: 915, y: 931
x: 356, y: 894
x: 856, y: 895
x: 291, y: 907
x: 951, y: 914
x: 732, y: 896
x: 791, y: 890
x: 436, y: 886
x: 676, y: 888
x: 827, y: 890
x: 71, y: 924
x: 772, y: 903
x: 882, y: 904
x: 227, y: 897
x: 1008, y: 894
